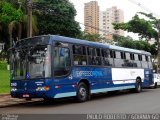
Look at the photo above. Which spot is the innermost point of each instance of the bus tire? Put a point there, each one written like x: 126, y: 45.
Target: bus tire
x: 155, y: 85
x: 113, y: 92
x: 48, y: 100
x: 138, y: 86
x: 82, y: 92
x: 28, y: 99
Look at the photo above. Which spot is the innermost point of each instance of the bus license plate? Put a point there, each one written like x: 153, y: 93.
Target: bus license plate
x: 26, y: 95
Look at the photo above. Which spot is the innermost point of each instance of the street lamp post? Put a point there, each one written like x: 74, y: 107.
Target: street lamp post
x: 29, y: 29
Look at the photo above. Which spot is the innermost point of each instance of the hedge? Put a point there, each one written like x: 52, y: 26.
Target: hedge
x: 3, y: 65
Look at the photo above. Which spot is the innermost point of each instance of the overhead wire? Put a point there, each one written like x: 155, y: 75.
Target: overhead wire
x: 91, y: 26
x: 143, y: 7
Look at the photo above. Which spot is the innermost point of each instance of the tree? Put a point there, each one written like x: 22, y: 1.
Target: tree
x: 13, y: 21
x: 56, y: 17
x: 135, y: 44
x: 9, y: 20
x: 23, y: 5
x: 145, y: 28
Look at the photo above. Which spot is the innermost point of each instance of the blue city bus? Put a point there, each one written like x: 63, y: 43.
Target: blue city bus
x: 52, y: 66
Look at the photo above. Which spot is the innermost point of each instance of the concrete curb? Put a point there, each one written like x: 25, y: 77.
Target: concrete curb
x: 18, y: 103
x: 5, y: 94
x: 7, y: 101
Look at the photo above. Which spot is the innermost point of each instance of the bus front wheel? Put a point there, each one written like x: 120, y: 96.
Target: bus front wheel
x: 82, y: 92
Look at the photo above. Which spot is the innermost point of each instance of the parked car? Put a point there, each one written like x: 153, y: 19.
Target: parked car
x: 156, y: 80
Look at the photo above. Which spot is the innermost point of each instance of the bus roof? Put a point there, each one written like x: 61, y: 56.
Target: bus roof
x: 88, y: 43
x: 96, y: 44
x: 78, y: 41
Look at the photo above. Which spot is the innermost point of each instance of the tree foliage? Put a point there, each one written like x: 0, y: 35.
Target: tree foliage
x: 143, y: 27
x: 53, y: 16
x: 56, y: 17
x: 135, y: 44
x: 90, y: 37
x: 9, y: 18
x: 8, y: 13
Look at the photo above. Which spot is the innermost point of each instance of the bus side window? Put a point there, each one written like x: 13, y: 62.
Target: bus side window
x: 62, y: 61
x: 94, y: 56
x: 140, y: 57
x: 128, y: 61
x: 144, y: 62
x: 146, y: 58
x: 132, y: 56
x: 123, y: 57
x: 79, y: 55
x: 136, y: 61
x: 105, y: 57
x: 150, y: 62
x: 112, y: 54
x: 90, y: 55
x: 98, y: 56
x: 118, y: 61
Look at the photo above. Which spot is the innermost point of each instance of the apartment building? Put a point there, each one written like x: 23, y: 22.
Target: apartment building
x: 91, y: 17
x: 106, y: 18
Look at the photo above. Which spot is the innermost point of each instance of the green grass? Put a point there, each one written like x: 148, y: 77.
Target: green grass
x: 4, y: 82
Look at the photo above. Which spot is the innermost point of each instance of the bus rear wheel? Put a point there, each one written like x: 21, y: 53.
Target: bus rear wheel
x: 28, y: 99
x: 155, y: 85
x: 48, y: 100
x: 82, y: 92
x: 138, y: 86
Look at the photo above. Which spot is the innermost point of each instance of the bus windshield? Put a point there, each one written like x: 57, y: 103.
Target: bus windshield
x: 31, y: 62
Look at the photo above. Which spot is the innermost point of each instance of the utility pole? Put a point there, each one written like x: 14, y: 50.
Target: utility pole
x: 29, y: 25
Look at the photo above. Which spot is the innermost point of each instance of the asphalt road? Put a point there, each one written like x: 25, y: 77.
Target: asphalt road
x: 147, y: 101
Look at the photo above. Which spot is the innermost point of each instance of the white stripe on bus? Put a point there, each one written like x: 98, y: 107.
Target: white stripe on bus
x: 126, y: 73
x: 112, y: 89
x: 70, y: 94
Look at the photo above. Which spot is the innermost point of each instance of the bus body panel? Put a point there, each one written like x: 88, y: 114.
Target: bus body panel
x: 101, y: 79
x: 28, y: 88
x: 148, y: 78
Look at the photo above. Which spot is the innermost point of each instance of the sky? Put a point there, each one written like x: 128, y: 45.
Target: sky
x: 128, y: 7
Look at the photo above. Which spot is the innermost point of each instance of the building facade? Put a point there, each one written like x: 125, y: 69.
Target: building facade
x: 91, y: 17
x: 106, y: 18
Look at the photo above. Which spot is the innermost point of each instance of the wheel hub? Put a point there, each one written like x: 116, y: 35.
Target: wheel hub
x: 82, y: 92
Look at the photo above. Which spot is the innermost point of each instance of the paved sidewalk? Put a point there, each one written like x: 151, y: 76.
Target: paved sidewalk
x: 7, y: 100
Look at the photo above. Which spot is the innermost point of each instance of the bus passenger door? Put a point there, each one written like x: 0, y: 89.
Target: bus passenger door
x: 62, y: 69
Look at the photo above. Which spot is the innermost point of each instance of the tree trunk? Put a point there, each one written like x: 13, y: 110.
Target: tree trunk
x: 29, y: 29
x: 10, y: 28
x: 19, y: 31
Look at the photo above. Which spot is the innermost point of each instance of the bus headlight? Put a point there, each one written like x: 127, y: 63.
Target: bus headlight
x: 45, y: 88
x: 13, y: 89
